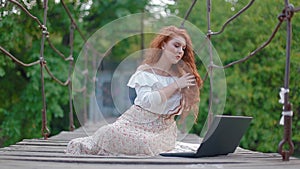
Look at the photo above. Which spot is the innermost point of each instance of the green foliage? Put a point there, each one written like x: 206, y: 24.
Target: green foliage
x: 21, y: 99
x: 103, y: 12
x: 253, y: 86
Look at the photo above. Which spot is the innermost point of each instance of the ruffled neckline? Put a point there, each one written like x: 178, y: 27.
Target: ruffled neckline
x: 155, y: 71
x: 146, y: 78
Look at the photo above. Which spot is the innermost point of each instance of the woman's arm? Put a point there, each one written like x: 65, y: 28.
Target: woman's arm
x: 149, y: 100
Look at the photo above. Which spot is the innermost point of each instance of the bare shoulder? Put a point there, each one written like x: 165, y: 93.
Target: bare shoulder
x: 144, y: 67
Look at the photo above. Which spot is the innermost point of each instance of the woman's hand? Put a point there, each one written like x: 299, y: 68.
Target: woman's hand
x: 186, y: 80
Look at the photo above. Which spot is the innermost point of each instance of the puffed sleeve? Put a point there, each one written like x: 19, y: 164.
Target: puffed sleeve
x: 141, y: 78
x: 147, y: 97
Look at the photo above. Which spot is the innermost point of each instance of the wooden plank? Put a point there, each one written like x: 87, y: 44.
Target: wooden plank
x: 40, y: 150
x: 23, y: 143
x: 43, y: 140
x: 129, y: 160
x: 33, y: 154
x: 28, y: 148
x: 50, y: 165
x: 35, y: 151
x: 66, y: 136
x: 126, y: 160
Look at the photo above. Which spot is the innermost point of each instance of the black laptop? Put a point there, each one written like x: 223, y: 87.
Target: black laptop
x: 222, y: 137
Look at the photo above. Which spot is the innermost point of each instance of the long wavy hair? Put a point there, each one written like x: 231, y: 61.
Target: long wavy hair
x: 191, y: 96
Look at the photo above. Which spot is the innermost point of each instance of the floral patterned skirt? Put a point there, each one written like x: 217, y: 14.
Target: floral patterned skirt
x: 136, y: 132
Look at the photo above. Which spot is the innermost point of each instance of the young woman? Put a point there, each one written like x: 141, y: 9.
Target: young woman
x: 167, y: 85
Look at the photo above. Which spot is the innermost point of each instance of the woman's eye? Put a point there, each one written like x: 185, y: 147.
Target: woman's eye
x: 179, y: 45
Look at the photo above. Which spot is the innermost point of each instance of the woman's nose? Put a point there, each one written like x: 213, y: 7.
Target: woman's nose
x: 180, y: 51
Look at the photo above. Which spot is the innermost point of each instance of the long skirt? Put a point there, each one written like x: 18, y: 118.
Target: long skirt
x: 135, y: 132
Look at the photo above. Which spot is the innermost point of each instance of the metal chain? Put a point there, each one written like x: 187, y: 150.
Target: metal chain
x: 287, y: 15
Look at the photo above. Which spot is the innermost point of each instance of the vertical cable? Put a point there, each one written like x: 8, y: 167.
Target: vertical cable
x: 45, y: 130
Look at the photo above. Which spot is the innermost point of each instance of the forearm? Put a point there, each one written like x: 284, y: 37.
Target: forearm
x: 168, y: 91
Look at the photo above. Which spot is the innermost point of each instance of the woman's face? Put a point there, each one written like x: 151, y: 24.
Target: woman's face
x: 173, y: 50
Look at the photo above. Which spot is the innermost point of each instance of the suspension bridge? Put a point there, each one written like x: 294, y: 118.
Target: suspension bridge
x: 50, y: 151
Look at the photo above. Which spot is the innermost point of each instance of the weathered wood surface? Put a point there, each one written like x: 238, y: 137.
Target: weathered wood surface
x: 39, y: 153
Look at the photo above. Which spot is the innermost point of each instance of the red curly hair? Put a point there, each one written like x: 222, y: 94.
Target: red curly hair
x: 187, y: 64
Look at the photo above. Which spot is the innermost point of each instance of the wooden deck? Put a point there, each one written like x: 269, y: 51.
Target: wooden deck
x: 45, y: 154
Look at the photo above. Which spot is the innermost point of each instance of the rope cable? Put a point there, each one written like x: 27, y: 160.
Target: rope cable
x: 253, y: 52
x: 233, y: 17
x: 18, y: 61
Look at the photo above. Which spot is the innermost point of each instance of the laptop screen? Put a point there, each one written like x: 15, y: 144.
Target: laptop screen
x: 223, y: 135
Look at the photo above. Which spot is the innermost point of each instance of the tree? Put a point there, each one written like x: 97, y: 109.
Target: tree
x: 20, y: 100
x: 253, y: 86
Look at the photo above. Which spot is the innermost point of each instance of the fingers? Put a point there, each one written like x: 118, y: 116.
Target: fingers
x: 188, y: 80
x: 190, y: 84
x: 191, y: 80
x: 185, y: 81
x: 188, y: 76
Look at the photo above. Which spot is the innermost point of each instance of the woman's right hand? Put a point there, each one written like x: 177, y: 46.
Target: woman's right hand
x: 186, y: 80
